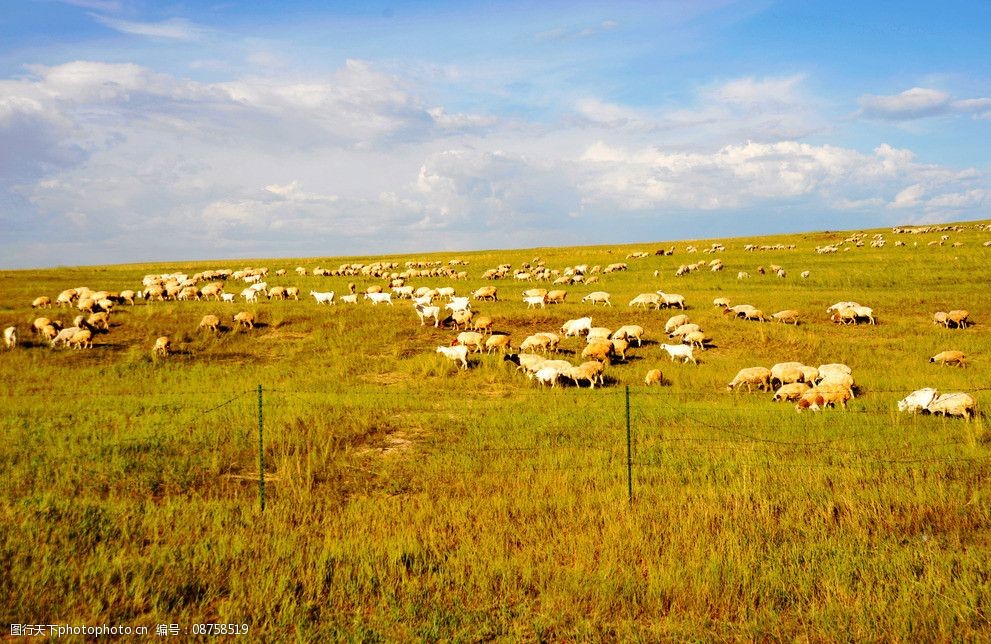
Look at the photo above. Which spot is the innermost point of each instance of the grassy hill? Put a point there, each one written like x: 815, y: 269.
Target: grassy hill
x: 406, y: 499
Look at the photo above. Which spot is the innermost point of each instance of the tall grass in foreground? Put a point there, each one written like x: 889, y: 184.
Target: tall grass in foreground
x: 407, y: 500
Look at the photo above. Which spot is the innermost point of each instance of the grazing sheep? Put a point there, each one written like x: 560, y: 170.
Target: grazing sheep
x: 822, y: 396
x: 227, y: 297
x: 629, y: 332
x: 955, y: 404
x: 958, y: 319
x: 482, y: 324
x: 791, y: 391
x: 211, y: 322
x: 833, y: 369
x: 546, y: 375
x: 426, y: 312
x: 672, y: 299
x: 597, y: 296
x: 553, y: 339
x: 456, y: 354
x: 576, y: 327
x: 65, y: 335
x: 780, y: 273
x: 525, y: 361
x: 471, y: 339
x: 98, y: 321
x: 918, y: 400
x: 653, y: 377
x: 42, y: 302
x: 684, y: 330
x: 805, y: 274
x: 213, y: 290
x: 949, y: 358
x: 374, y: 288
x: 787, y: 372
x: 601, y: 351
x: 82, y: 338
x: 535, y: 300
x: 535, y: 342
x: 695, y: 339
x: 646, y: 300
x: 752, y: 376
x: 742, y: 275
x: 674, y: 322
x: 67, y: 297
x: 556, y: 296
x: 486, y: 293
x: 323, y: 298
x: 535, y: 292
x: 839, y: 379
x: 39, y: 324
x: 590, y: 371
x: 10, y: 337
x: 598, y: 333
x: 723, y: 302
x: 500, y: 342
x: 679, y: 352
x: 788, y: 316
x: 459, y: 319
x: 351, y: 298
x: 379, y: 298
x: 619, y: 347
x: 755, y: 314
x: 245, y: 319
x: 162, y: 346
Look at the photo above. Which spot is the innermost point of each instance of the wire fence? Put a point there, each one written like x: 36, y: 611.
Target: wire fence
x: 657, y: 436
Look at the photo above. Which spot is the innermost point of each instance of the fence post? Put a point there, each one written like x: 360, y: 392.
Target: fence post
x: 629, y: 450
x: 261, y: 453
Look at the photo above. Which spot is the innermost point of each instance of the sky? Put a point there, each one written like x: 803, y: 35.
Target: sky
x: 138, y: 131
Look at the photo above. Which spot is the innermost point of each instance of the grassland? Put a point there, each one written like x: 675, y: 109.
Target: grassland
x: 409, y: 501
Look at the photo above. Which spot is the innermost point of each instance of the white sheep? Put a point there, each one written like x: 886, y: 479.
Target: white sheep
x: 646, y: 300
x: 427, y: 312
x: 751, y: 376
x: 227, y: 297
x: 379, y: 298
x: 546, y: 375
x: 350, y: 299
x: 955, y: 404
x: 681, y: 352
x: 950, y: 357
x: 526, y: 361
x: 162, y: 346
x: 10, y: 337
x: 456, y: 354
x: 323, y: 297
x: 672, y: 299
x: 596, y: 297
x: 535, y: 300
x: 590, y: 371
x: 576, y: 327
x: 472, y: 339
x: 674, y: 322
x: 65, y: 335
x: 458, y: 304
x: 629, y: 332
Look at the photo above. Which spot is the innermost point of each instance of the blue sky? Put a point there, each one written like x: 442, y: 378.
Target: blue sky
x: 133, y: 130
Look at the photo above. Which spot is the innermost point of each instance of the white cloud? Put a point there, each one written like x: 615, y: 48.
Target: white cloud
x: 171, y: 29
x: 921, y: 102
x: 753, y: 93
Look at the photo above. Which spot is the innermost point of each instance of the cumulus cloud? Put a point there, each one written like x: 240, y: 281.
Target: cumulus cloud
x: 919, y: 103
x: 738, y: 176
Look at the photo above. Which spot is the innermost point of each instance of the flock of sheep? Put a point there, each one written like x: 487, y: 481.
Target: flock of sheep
x: 812, y: 388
